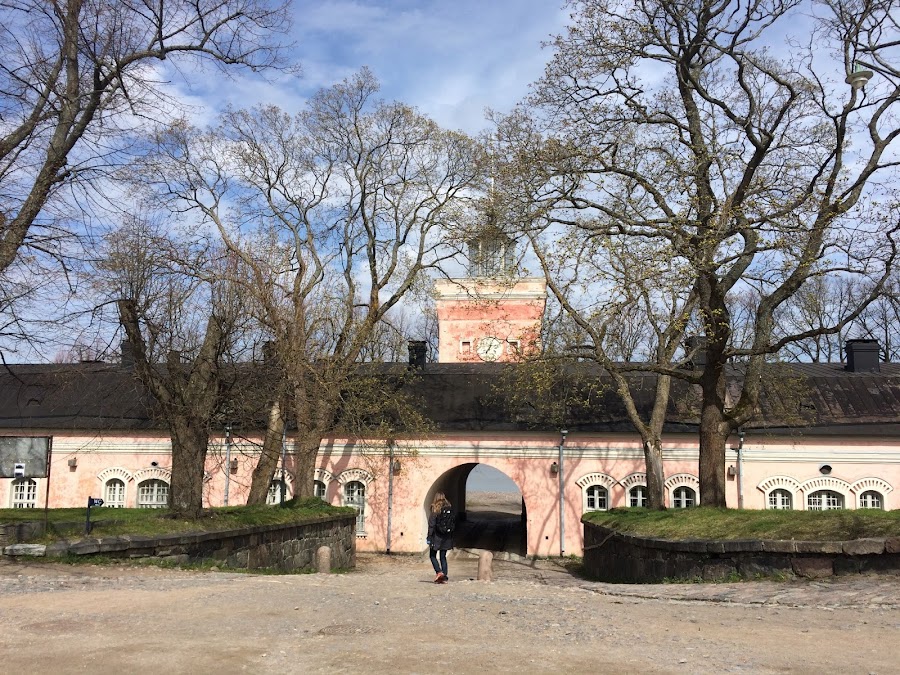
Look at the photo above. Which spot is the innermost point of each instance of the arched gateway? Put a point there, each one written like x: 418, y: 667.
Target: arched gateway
x: 486, y: 519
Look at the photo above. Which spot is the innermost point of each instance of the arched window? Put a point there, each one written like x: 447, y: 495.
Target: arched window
x: 596, y: 498
x: 683, y: 497
x: 780, y: 499
x: 825, y: 500
x: 153, y: 494
x: 114, y: 493
x: 276, y: 488
x: 355, y: 496
x: 24, y: 493
x: 319, y: 489
x: 637, y: 496
x: 871, y: 500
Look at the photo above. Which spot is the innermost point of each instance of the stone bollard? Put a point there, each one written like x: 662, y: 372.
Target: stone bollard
x: 323, y: 560
x: 485, y: 565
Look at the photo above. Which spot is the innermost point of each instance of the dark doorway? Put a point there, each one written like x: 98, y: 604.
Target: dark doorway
x: 495, y: 513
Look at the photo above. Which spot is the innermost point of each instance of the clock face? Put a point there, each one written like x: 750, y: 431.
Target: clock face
x: 489, y: 348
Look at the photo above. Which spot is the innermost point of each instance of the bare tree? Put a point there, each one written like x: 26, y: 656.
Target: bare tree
x: 336, y: 212
x: 820, y: 303
x: 76, y: 73
x: 692, y: 128
x: 881, y: 321
x: 179, y: 313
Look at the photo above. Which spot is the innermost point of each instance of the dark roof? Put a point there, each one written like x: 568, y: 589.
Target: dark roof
x: 74, y: 396
x: 814, y: 398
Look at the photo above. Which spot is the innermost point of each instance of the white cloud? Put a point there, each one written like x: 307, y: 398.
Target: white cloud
x: 449, y: 59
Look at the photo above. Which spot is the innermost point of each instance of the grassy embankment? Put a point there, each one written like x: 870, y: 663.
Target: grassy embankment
x: 151, y: 522
x: 711, y: 523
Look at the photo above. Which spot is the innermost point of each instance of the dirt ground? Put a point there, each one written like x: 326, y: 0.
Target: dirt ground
x: 388, y: 617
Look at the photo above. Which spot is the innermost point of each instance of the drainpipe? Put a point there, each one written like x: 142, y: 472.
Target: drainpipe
x: 740, y: 468
x: 227, y: 460
x: 562, y: 500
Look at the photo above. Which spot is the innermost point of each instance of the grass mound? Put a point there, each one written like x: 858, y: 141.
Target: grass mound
x: 68, y: 523
x: 713, y: 523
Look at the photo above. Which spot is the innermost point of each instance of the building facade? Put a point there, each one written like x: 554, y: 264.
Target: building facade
x: 103, y: 442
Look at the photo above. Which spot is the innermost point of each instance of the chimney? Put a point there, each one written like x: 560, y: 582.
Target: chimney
x: 417, y: 351
x: 695, y: 349
x: 862, y: 356
x: 127, y: 351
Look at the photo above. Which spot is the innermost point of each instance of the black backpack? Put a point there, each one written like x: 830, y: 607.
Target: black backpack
x: 445, y: 522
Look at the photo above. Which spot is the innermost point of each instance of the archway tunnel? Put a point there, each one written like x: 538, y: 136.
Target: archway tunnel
x: 491, y: 513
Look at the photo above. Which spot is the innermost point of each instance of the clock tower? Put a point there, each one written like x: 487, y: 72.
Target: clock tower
x: 489, y: 315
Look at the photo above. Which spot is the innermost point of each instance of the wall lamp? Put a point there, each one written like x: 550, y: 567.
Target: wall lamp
x: 395, y: 466
x: 554, y: 468
x: 732, y: 472
x: 233, y: 467
x: 73, y: 463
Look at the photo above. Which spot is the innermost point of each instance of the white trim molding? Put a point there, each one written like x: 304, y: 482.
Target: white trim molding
x: 825, y: 483
x: 788, y: 484
x: 689, y: 480
x: 286, y: 476
x: 596, y: 479
x: 877, y: 484
x: 792, y: 485
x: 603, y: 479
x: 323, y: 475
x: 679, y: 479
x: 351, y: 475
x: 156, y: 472
x: 633, y: 480
x: 115, y: 472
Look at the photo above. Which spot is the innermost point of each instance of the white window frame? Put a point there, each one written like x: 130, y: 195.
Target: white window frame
x: 153, y: 487
x: 638, y: 494
x: 276, y: 485
x: 871, y: 499
x: 780, y: 499
x: 111, y: 500
x: 872, y: 484
x: 23, y: 493
x: 356, y: 475
x: 825, y: 484
x: 596, y: 498
x: 356, y: 497
x: 683, y: 480
x: 320, y: 489
x: 684, y: 497
x: 825, y: 500
x: 594, y: 480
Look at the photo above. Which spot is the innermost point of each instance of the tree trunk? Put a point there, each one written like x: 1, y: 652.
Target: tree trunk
x: 656, y: 498
x: 305, y: 462
x: 714, y: 432
x: 190, y: 441
x: 268, y: 459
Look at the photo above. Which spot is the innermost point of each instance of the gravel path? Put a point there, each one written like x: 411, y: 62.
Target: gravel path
x: 388, y: 617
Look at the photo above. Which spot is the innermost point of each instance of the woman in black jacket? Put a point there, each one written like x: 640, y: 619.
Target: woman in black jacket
x: 438, y: 540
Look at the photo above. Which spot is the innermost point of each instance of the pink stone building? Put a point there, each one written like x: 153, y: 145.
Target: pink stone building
x: 102, y: 442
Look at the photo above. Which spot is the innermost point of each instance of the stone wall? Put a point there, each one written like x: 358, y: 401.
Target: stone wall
x: 13, y: 533
x: 624, y: 558
x: 288, y: 547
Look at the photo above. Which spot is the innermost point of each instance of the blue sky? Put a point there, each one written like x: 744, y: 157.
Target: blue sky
x: 451, y: 60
